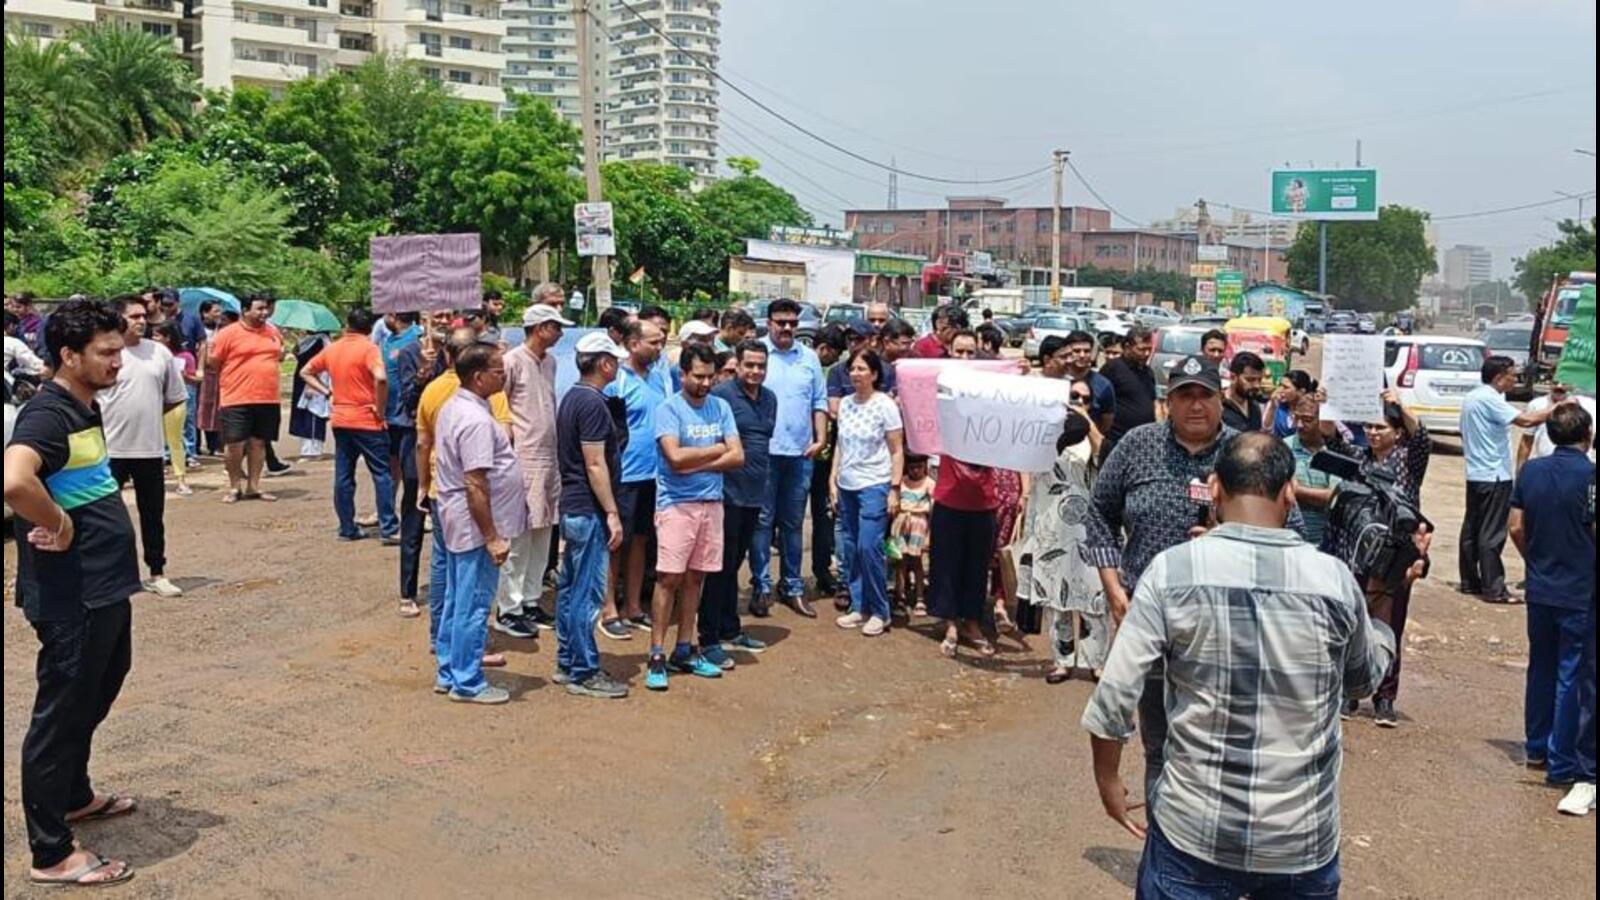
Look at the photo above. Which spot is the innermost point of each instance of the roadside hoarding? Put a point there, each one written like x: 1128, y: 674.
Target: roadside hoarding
x: 1230, y: 291
x: 1203, y: 270
x: 811, y: 237
x: 980, y: 262
x: 596, y: 229
x: 1326, y: 194
x: 1205, y: 293
x: 1212, y: 253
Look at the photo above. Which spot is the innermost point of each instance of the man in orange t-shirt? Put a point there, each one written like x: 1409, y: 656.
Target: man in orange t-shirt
x: 360, y: 394
x: 245, y: 356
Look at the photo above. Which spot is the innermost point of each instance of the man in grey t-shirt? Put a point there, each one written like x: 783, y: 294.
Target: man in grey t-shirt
x: 133, y: 409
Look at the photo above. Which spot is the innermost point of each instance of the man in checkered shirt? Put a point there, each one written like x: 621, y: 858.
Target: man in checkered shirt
x: 1263, y: 637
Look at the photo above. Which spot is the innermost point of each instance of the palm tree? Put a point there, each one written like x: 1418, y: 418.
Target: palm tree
x: 146, y: 90
x: 48, y: 82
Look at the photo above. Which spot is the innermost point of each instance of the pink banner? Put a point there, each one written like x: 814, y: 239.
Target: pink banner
x: 917, y: 383
x: 425, y: 272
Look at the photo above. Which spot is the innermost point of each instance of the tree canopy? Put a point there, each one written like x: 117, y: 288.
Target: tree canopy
x: 1372, y: 266
x: 1574, y: 252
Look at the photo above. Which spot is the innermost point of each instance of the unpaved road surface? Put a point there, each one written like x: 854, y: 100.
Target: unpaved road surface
x: 279, y: 731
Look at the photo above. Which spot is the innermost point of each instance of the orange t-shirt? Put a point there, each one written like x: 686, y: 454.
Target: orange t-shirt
x: 350, y: 362
x: 249, y: 364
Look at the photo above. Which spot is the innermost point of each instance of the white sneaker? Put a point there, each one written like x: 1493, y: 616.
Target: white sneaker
x: 874, y: 627
x: 850, y: 620
x: 161, y: 587
x: 1579, y: 801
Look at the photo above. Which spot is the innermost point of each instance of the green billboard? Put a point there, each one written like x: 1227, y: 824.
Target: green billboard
x: 1577, y: 356
x: 1330, y: 194
x: 1230, y: 291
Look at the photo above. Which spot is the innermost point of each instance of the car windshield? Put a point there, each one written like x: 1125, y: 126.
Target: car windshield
x: 1566, y: 306
x: 1509, y: 338
x: 1451, y: 357
x: 1056, y: 323
x: 846, y: 313
x: 1184, y: 343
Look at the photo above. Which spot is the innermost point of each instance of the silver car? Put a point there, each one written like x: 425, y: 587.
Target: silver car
x: 1172, y: 345
x: 1052, y: 324
x: 1513, y: 339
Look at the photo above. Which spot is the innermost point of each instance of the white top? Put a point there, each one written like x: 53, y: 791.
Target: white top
x: 1542, y: 445
x: 19, y: 358
x: 863, y: 450
x: 132, y: 409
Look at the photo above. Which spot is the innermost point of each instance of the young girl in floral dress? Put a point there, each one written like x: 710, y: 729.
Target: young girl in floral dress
x: 910, y: 530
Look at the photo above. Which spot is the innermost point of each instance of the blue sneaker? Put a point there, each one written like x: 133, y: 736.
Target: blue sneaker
x: 656, y: 677
x: 714, y: 654
x: 747, y: 643
x: 694, y: 665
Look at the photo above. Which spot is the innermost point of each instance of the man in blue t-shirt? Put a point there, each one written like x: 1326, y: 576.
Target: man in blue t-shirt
x: 699, y: 440
x: 1486, y: 444
x: 642, y: 386
x: 1552, y: 524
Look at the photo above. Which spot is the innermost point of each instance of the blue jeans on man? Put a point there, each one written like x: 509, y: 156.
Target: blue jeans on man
x: 785, y: 510
x: 463, y: 623
x: 1556, y: 639
x: 191, y: 431
x: 371, y: 447
x: 1168, y: 873
x: 438, y: 575
x: 863, y: 526
x: 580, y: 589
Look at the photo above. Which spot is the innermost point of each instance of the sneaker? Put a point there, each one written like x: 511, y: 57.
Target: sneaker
x: 1383, y: 714
x: 616, y: 629
x: 161, y: 587
x: 714, y: 654
x: 280, y: 471
x: 551, y: 576
x: 1349, y: 709
x: 489, y: 696
x: 874, y: 627
x: 358, y: 536
x: 641, y: 622
x: 694, y: 664
x: 511, y: 626
x: 536, y: 617
x: 1579, y: 801
x: 390, y: 540
x: 748, y: 644
x: 560, y: 676
x: 183, y: 490
x: 850, y: 620
x: 441, y: 688
x: 599, y: 685
x: 656, y: 674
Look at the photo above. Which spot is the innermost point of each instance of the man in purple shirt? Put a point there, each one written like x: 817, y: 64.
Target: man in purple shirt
x: 481, y: 502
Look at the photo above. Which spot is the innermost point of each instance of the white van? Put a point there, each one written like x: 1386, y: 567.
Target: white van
x: 1433, y: 375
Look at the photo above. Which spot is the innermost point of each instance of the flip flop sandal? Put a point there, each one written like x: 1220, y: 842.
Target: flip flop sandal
x: 948, y: 647
x: 232, y: 496
x: 984, y: 648
x: 409, y: 609
x: 263, y: 496
x: 106, y: 810
x: 1059, y: 676
x: 75, y: 878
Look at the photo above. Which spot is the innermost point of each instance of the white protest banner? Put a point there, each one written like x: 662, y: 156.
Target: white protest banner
x: 425, y: 272
x: 1006, y: 421
x: 1352, y: 374
x: 917, y: 388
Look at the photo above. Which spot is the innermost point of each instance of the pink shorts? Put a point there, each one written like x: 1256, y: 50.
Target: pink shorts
x: 689, y: 536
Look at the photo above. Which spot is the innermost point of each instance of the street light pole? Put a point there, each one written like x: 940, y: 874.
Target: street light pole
x: 1576, y: 197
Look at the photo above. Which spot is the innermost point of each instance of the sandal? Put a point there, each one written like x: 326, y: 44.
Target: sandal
x: 984, y: 648
x: 409, y: 609
x: 76, y: 877
x: 232, y: 495
x: 107, y: 810
x: 948, y: 647
x: 1060, y: 675
x: 263, y: 496
x: 493, y: 660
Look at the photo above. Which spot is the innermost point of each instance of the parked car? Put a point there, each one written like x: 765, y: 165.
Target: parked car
x: 1207, y: 320
x: 810, y: 321
x: 1053, y: 323
x: 1433, y: 375
x: 1172, y: 345
x: 1366, y: 324
x: 1343, y: 321
x: 1156, y: 316
x: 1513, y: 339
x: 1300, y: 340
x: 1105, y: 324
x: 845, y: 313
x: 1315, y: 324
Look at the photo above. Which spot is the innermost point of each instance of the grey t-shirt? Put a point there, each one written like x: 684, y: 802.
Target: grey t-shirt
x: 132, y: 409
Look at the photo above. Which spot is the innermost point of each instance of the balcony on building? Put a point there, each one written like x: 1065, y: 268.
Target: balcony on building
x: 54, y: 16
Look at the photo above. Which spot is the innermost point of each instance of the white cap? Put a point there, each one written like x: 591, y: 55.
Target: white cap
x: 696, y: 328
x: 539, y: 313
x: 600, y: 342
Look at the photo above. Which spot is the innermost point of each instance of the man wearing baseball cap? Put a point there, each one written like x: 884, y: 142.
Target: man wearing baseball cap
x: 591, y: 429
x: 696, y: 331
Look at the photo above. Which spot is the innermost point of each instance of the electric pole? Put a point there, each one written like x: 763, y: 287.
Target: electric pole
x: 894, y: 184
x: 1058, y: 164
x: 591, y: 139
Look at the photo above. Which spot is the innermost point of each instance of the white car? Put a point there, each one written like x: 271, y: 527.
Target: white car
x: 1300, y: 341
x: 1156, y: 316
x: 1433, y: 375
x: 1059, y: 324
x: 1106, y: 321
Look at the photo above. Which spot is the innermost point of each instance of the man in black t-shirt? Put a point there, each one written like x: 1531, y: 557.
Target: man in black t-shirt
x: 1134, y: 385
x: 1242, y: 404
x: 76, y: 569
x: 590, y: 431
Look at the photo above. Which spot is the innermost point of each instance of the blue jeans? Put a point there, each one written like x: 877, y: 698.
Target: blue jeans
x: 1586, y: 700
x: 464, y: 622
x: 580, y: 588
x: 1167, y: 873
x: 863, y: 525
x: 372, y: 447
x: 191, y: 433
x: 788, y: 486
x: 438, y: 576
x: 1556, y: 640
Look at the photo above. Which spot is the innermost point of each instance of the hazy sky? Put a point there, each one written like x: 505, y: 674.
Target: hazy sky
x: 1463, y: 105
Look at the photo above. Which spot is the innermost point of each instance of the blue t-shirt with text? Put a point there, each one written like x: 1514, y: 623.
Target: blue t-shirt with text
x: 710, y: 423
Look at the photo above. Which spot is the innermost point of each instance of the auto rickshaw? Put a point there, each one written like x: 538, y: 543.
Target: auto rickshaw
x: 1265, y: 336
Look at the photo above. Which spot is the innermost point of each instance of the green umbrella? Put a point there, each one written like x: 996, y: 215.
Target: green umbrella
x: 303, y: 315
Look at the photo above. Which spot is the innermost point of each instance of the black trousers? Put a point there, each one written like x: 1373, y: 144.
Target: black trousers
x: 1390, y: 604
x: 961, y: 544
x: 150, y: 495
x: 81, y: 665
x: 404, y: 441
x: 719, y: 600
x: 1483, y: 538
x: 1153, y: 727
x: 821, y: 528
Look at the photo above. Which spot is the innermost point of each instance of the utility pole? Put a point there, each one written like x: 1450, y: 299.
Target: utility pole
x: 591, y: 140
x: 894, y: 184
x: 1058, y: 164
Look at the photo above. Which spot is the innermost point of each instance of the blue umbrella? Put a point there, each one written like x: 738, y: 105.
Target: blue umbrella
x: 190, y: 298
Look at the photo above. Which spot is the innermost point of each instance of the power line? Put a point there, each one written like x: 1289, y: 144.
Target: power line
x: 1096, y: 195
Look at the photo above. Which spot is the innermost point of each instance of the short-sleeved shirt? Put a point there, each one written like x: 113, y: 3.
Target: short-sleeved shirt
x: 965, y: 486
x: 705, y: 425
x: 437, y: 394
x: 839, y: 385
x: 100, y: 568
x: 642, y: 395
x: 928, y: 347
x: 1248, y: 420
x: 132, y: 408
x: 191, y: 330
x: 586, y: 417
x: 795, y: 376
x: 393, y: 347
x: 1102, y: 395
x: 1316, y: 516
x: 248, y: 360
x: 1485, y: 438
x: 864, y: 460
x: 468, y: 439
x: 1542, y: 445
x: 1556, y: 496
x: 1135, y: 388
x: 747, y: 485
x: 350, y: 362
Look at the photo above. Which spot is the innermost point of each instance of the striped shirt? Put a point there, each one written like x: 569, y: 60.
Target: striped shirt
x: 1262, y: 637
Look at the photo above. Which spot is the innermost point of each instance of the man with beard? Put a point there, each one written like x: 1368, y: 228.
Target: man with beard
x: 1242, y: 405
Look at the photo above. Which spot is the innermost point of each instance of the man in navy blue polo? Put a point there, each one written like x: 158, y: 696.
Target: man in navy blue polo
x: 1552, y: 524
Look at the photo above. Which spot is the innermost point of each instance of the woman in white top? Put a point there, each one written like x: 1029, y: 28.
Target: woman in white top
x: 867, y: 467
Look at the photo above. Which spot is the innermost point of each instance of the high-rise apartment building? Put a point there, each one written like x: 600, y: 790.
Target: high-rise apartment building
x: 1466, y: 265
x: 541, y: 48
x: 50, y: 20
x: 661, y: 103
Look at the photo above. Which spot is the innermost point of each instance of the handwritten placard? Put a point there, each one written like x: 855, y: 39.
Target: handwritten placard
x: 917, y: 384
x: 1352, y: 374
x: 425, y: 272
x: 1006, y: 421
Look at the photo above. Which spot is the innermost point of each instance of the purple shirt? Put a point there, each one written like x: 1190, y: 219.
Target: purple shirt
x: 468, y: 439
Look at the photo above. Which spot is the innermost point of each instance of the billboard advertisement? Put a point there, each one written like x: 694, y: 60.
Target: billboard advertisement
x: 1326, y: 194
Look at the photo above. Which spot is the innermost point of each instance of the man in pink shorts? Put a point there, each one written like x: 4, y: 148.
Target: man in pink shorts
x: 699, y: 440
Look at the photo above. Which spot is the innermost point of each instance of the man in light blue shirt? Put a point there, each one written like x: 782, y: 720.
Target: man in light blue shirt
x: 643, y: 387
x: 794, y: 374
x: 1486, y: 444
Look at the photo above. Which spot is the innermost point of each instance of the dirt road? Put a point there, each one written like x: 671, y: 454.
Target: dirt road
x: 280, y: 733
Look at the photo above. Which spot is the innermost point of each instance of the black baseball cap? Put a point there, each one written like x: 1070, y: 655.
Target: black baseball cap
x: 1195, y: 370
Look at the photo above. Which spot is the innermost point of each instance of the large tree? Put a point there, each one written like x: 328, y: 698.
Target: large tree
x: 1372, y: 266
x: 661, y: 229
x: 1574, y: 252
x: 146, y: 90
x: 747, y: 205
